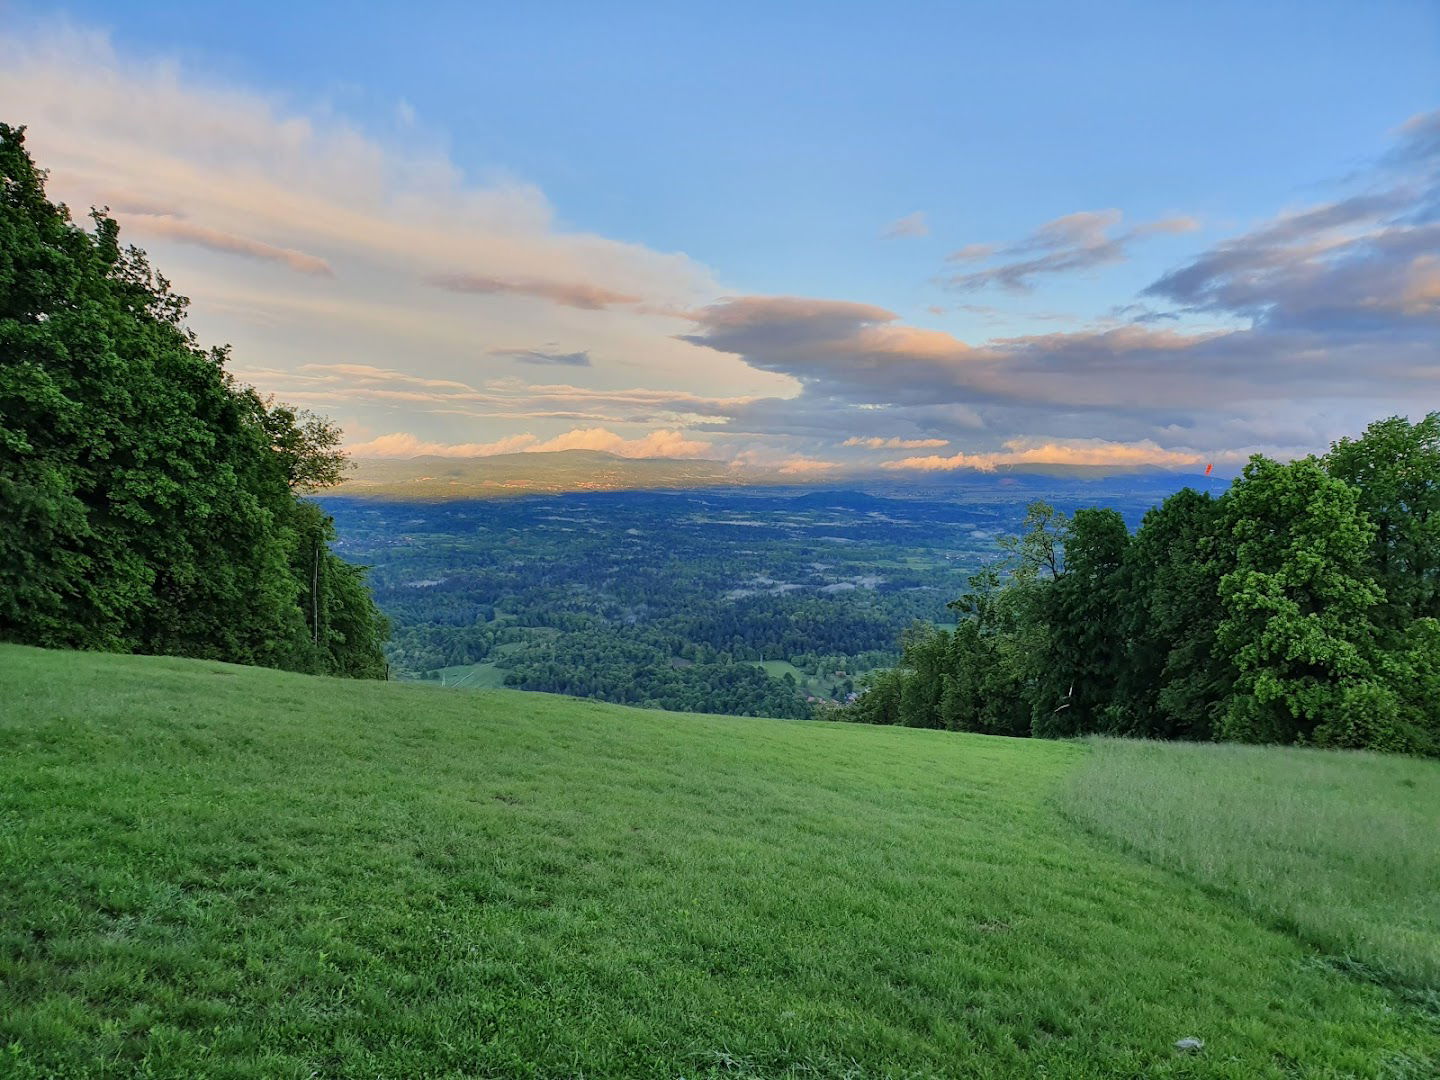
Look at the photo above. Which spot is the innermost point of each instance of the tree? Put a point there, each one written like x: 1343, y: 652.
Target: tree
x: 1085, y: 645
x: 1174, y: 678
x: 1039, y: 551
x: 925, y: 651
x: 307, y: 447
x: 1395, y: 469
x: 1297, y: 602
x: 149, y: 500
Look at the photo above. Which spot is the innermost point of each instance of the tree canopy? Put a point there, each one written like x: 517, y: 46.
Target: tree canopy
x: 1300, y: 607
x: 151, y: 503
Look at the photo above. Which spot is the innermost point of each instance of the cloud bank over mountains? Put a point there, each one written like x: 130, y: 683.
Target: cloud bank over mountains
x: 369, y: 278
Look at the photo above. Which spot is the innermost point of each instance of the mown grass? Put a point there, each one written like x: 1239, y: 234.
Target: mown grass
x: 212, y: 871
x: 1342, y: 849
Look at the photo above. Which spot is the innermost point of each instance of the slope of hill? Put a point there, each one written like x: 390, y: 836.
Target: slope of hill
x: 209, y: 870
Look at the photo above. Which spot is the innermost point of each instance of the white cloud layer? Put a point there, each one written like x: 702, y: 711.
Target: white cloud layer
x: 376, y: 282
x: 657, y: 444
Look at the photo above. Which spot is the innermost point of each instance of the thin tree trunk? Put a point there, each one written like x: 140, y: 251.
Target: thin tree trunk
x: 315, y: 597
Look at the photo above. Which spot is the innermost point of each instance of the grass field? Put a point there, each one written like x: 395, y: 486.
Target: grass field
x: 815, y: 685
x: 484, y: 676
x: 1340, y: 848
x: 213, y: 871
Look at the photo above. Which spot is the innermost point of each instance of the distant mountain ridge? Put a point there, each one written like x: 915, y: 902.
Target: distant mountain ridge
x: 552, y: 472
x: 571, y: 471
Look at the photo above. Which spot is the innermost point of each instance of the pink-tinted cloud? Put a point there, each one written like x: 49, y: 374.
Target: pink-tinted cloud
x: 972, y: 251
x: 187, y: 232
x: 576, y: 294
x: 656, y: 444
x: 915, y: 224
x: 895, y: 443
x: 1072, y: 452
x: 400, y: 444
x: 668, y: 444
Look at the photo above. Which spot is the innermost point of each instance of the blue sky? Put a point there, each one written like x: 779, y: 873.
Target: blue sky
x: 771, y: 146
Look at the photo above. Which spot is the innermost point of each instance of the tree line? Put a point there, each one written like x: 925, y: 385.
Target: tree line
x: 149, y: 502
x: 1299, y: 607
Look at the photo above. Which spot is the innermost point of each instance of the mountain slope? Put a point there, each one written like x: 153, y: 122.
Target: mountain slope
x: 223, y: 871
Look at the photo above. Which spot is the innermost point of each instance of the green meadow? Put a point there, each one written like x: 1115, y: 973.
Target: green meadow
x: 1338, y: 847
x: 218, y: 871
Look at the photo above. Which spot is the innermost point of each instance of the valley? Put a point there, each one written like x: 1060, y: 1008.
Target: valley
x: 696, y: 600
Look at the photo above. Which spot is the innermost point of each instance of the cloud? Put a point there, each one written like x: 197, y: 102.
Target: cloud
x: 399, y: 444
x: 972, y: 251
x: 576, y: 294
x: 914, y: 224
x: 347, y: 383
x: 189, y: 233
x: 805, y: 466
x: 785, y: 464
x: 1327, y: 317
x: 1189, y: 390
x: 541, y: 356
x: 669, y: 444
x: 194, y: 165
x: 1076, y: 241
x: 1294, y: 331
x: 656, y: 444
x: 895, y: 443
x: 1366, y: 263
x: 1073, y: 452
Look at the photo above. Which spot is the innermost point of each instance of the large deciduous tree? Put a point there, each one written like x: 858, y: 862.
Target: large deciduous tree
x: 148, y: 502
x: 1298, y: 602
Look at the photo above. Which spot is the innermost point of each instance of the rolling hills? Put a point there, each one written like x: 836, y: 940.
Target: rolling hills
x: 209, y: 870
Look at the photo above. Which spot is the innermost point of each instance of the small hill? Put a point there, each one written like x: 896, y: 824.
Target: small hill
x: 529, y: 474
x: 209, y: 870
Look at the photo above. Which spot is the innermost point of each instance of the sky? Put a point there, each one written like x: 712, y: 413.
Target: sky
x: 807, y: 237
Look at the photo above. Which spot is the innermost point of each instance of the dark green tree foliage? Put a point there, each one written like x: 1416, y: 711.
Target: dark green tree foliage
x: 1395, y: 470
x: 989, y: 668
x: 1297, y: 600
x: 1174, y: 680
x: 148, y: 502
x: 1300, y: 607
x: 1084, y: 648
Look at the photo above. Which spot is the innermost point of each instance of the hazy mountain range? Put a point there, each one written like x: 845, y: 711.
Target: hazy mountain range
x: 594, y: 470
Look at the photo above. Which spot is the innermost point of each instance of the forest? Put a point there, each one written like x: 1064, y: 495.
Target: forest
x: 696, y: 601
x: 1299, y: 607
x: 152, y: 503
x: 743, y: 601
x: 155, y: 504
x: 755, y: 601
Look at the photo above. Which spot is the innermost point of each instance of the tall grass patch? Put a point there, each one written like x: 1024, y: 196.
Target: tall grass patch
x: 1340, y: 848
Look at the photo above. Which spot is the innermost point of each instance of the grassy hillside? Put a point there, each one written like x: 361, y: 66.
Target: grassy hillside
x: 1338, y: 847
x: 217, y: 871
